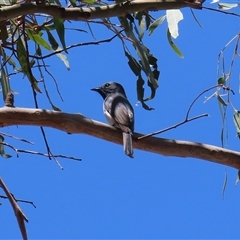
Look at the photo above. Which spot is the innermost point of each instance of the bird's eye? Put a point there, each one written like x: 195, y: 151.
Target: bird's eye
x: 107, y: 85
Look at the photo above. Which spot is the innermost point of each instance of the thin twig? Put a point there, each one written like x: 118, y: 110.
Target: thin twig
x: 187, y: 119
x: 38, y: 153
x: 16, y: 138
x: 73, y: 46
x: 19, y: 200
x: 174, y: 126
x: 206, y: 90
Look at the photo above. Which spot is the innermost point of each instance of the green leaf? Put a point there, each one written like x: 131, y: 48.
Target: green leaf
x: 155, y: 24
x: 143, y: 53
x: 2, y: 152
x: 90, y: 2
x: 59, y: 25
x: 133, y: 64
x: 73, y: 2
x: 23, y: 60
x: 140, y: 93
x: 52, y: 40
x: 11, y: 62
x: 236, y: 119
x: 221, y: 100
x: 63, y: 58
x: 37, y: 38
x: 5, y: 84
x: 148, y: 21
x: 238, y: 177
x: 142, y: 27
x: 224, y: 184
x: 174, y: 47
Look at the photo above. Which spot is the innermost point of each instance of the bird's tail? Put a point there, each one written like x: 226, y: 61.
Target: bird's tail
x: 127, y: 144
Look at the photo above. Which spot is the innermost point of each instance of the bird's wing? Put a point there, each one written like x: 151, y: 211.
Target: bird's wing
x: 122, y: 113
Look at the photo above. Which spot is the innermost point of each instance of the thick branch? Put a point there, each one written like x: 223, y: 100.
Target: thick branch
x: 83, y: 14
x: 77, y: 123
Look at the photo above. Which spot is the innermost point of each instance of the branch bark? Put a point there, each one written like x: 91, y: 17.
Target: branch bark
x: 77, y: 123
x: 84, y: 14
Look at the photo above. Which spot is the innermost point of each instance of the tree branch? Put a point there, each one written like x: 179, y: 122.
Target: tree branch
x: 77, y: 123
x: 84, y: 14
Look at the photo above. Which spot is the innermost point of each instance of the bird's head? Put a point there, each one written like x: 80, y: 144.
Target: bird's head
x: 109, y: 88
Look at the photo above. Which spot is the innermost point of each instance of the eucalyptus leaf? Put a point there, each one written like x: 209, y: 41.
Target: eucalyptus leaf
x: 2, y: 152
x: 236, y: 119
x: 173, y: 46
x: 37, y: 38
x: 59, y: 25
x: 155, y: 24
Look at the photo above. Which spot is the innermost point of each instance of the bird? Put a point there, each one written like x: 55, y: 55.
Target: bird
x: 118, y: 111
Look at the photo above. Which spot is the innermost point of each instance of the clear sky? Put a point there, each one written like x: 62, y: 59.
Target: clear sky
x: 108, y: 195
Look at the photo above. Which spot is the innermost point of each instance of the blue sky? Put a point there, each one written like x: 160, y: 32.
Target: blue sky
x: 108, y: 195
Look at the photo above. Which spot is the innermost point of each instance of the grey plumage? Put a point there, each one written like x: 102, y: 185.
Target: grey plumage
x: 118, y: 112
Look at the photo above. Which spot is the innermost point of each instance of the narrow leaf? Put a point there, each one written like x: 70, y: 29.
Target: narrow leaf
x: 142, y: 27
x: 52, y: 40
x: 174, y: 47
x: 140, y: 93
x: 59, y: 25
x: 63, y: 58
x: 238, y: 177
x: 221, y: 100
x: 133, y: 64
x: 173, y: 17
x: 5, y: 84
x: 37, y: 38
x: 23, y: 60
x: 155, y: 24
x: 2, y: 152
x: 224, y: 184
x: 236, y: 119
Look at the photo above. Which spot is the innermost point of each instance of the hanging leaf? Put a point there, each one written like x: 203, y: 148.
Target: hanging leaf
x: 133, y: 64
x: 2, y: 152
x: 238, y: 177
x: 63, y: 58
x: 224, y: 184
x: 142, y: 27
x: 174, y: 47
x: 59, y: 25
x: 155, y: 24
x: 52, y: 40
x: 23, y: 60
x: 221, y: 100
x: 37, y: 38
x: 140, y: 93
x: 174, y: 16
x: 236, y: 119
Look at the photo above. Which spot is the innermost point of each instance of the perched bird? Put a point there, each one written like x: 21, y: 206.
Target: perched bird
x: 118, y: 112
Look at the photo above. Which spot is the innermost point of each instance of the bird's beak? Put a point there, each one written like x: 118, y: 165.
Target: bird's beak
x: 98, y: 89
